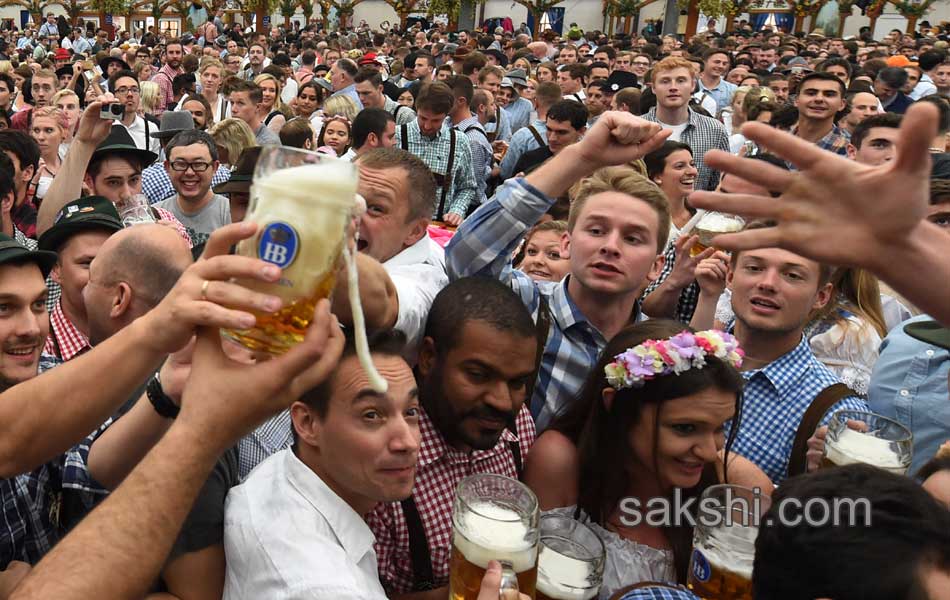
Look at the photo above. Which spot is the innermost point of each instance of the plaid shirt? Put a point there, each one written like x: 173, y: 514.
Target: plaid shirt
x: 775, y: 400
x: 483, y: 245
x: 836, y: 141
x: 689, y: 296
x: 438, y: 473
x: 65, y: 341
x: 166, y: 94
x: 157, y: 186
x: 703, y: 134
x: 434, y: 152
x: 481, y: 153
x: 660, y: 593
x: 269, y: 438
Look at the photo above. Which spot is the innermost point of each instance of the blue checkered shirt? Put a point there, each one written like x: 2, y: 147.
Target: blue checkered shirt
x: 660, y: 593
x: 483, y: 245
x: 481, y: 154
x: 775, y: 400
x: 522, y: 141
x: 519, y: 113
x: 434, y: 152
x: 269, y: 438
x: 157, y: 186
x: 702, y: 134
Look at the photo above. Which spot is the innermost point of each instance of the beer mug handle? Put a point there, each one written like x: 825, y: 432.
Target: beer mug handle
x: 508, y: 590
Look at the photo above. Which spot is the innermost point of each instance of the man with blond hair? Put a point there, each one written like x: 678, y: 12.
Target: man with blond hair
x: 674, y: 80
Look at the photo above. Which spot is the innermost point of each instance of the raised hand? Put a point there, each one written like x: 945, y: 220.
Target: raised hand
x: 93, y: 129
x: 618, y: 138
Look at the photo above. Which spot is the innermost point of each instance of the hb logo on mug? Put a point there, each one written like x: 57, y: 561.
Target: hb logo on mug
x: 279, y: 244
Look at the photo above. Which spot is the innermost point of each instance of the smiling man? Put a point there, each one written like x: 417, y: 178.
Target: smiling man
x: 820, y: 99
x: 475, y: 368
x: 716, y: 64
x: 617, y: 229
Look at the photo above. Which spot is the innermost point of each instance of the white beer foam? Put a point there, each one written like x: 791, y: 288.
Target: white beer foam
x: 856, y: 447
x: 564, y: 578
x: 490, y: 532
x: 719, y: 222
x: 719, y: 549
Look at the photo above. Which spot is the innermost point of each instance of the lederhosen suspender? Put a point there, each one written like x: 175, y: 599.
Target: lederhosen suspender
x: 396, y: 111
x: 537, y: 136
x: 494, y: 134
x: 442, y: 180
x: 422, y: 577
x: 478, y: 129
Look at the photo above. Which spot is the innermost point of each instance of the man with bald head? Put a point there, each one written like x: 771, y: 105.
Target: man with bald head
x: 131, y: 273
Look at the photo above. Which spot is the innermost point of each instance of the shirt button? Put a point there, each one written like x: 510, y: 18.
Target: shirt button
x: 905, y: 393
x: 930, y: 352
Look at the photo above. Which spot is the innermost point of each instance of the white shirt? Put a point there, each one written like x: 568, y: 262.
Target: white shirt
x: 676, y: 129
x: 288, y: 536
x: 137, y: 131
x: 289, y: 92
x: 418, y: 272
x: 924, y: 87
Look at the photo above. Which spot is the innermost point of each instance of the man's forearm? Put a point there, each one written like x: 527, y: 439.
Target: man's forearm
x: 925, y: 252
x: 661, y: 303
x: 66, y: 186
x: 556, y: 175
x: 46, y: 415
x: 104, y: 556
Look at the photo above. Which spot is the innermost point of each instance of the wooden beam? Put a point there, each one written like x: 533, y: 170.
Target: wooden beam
x: 692, y: 18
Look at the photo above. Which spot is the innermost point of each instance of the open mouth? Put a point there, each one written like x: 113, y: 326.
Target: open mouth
x: 690, y: 181
x: 606, y: 268
x: 361, y: 244
x: 764, y: 303
x: 538, y: 273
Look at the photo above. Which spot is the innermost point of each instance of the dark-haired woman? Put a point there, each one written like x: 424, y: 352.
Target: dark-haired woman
x: 650, y: 424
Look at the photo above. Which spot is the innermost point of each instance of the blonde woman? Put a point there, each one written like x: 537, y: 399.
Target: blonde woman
x: 48, y: 128
x: 340, y: 105
x: 755, y: 97
x: 149, y: 98
x: 232, y: 136
x: 143, y: 70
x: 211, y: 73
x: 272, y: 108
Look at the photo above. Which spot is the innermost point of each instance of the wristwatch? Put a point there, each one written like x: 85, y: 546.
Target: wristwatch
x: 162, y: 404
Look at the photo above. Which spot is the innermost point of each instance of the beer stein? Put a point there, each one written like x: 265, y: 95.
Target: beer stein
x: 712, y: 224
x: 493, y: 518
x: 304, y: 204
x: 720, y: 567
x: 570, y: 560
x: 878, y: 441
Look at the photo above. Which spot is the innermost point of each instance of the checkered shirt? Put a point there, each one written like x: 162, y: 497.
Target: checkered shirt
x: 439, y: 471
x: 166, y: 94
x: 434, y: 152
x: 21, y: 239
x: 519, y: 112
x: 689, y: 296
x: 775, y: 400
x: 269, y: 438
x: 165, y: 215
x: 660, y: 593
x: 65, y: 340
x: 702, y: 134
x: 836, y: 141
x: 481, y: 154
x: 156, y: 185
x: 483, y: 245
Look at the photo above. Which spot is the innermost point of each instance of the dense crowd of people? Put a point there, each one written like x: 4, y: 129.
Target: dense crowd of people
x: 542, y: 297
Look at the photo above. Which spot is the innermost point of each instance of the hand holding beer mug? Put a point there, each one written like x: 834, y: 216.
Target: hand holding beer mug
x: 570, y: 560
x: 720, y: 567
x: 304, y: 204
x: 868, y: 438
x: 711, y: 224
x: 493, y: 518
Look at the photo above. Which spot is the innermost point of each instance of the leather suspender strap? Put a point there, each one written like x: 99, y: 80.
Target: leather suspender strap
x: 422, y: 578
x: 541, y: 330
x: 404, y: 130
x: 448, y: 175
x: 515, y: 448
x: 537, y: 136
x: 827, y: 398
x: 478, y: 129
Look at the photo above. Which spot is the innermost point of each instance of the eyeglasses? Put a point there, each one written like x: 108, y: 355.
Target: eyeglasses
x: 122, y: 91
x: 198, y: 166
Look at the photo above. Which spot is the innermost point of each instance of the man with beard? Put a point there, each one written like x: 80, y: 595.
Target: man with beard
x: 475, y: 370
x: 820, y: 99
x: 166, y: 75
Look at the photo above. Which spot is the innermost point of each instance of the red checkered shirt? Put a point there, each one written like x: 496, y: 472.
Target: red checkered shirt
x: 438, y: 473
x: 166, y: 94
x: 166, y: 215
x: 65, y: 341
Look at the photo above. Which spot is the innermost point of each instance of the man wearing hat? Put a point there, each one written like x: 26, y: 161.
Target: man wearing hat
x: 107, y: 161
x: 509, y: 99
x: 238, y: 187
x: 80, y: 229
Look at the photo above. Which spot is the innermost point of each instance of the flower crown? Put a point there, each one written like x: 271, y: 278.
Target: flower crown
x: 683, y: 351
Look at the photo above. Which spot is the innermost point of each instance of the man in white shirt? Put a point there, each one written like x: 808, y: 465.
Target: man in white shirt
x: 125, y: 87
x: 400, y: 191
x: 927, y: 61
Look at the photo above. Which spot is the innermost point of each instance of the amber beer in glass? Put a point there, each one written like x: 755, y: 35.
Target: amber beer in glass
x: 493, y: 518
x: 303, y: 203
x: 570, y: 560
x: 869, y: 439
x: 712, y: 224
x: 720, y: 567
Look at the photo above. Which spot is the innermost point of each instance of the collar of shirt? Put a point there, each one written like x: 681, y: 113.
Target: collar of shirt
x: 434, y: 447
x: 464, y: 123
x: 349, y: 527
x: 64, y: 336
x: 784, y: 372
x: 562, y: 307
x: 425, y: 251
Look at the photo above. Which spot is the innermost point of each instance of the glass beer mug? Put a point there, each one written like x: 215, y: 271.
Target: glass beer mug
x: 712, y: 224
x: 570, y: 560
x: 720, y: 567
x: 878, y: 441
x: 493, y: 518
x: 304, y: 204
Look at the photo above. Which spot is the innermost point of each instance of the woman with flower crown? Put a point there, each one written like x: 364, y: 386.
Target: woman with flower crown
x: 650, y: 420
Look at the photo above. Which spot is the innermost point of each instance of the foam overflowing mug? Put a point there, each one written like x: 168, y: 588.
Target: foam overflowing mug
x: 304, y: 204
